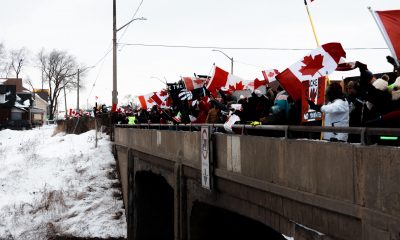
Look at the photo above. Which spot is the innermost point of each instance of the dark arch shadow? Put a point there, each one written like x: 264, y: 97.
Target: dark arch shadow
x: 154, y: 207
x: 208, y: 222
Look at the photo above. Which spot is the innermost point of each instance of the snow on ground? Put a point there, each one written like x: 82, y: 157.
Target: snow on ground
x: 59, y: 182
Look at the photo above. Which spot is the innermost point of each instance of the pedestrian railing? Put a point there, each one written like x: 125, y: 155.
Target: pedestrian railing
x: 366, y: 135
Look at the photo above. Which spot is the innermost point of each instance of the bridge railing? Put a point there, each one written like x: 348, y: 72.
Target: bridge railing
x: 366, y: 134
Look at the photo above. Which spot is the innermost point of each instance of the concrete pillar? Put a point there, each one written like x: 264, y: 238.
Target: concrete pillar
x: 131, y: 193
x: 180, y: 211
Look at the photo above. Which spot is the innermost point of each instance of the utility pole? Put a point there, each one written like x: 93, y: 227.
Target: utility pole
x: 114, y: 92
x: 77, y: 100
x: 114, y: 41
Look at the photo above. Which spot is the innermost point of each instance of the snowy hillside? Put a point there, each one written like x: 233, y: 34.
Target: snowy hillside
x: 58, y: 184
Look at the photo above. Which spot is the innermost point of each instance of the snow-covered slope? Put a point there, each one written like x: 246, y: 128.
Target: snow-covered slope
x: 60, y: 184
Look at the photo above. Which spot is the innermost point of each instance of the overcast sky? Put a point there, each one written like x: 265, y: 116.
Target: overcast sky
x: 84, y: 29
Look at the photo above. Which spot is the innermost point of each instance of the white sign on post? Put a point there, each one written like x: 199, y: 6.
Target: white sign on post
x: 205, y: 157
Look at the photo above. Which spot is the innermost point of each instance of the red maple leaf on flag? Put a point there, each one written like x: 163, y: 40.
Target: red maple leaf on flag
x: 312, y: 65
x: 150, y: 100
x: 237, y: 86
x: 163, y: 93
x: 271, y: 74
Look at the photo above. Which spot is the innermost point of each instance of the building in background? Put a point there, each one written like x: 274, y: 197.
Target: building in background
x: 19, y: 107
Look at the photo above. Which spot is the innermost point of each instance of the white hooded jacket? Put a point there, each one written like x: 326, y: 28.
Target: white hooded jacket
x: 336, y: 115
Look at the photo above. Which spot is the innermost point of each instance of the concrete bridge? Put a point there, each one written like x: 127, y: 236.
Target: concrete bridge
x: 261, y: 187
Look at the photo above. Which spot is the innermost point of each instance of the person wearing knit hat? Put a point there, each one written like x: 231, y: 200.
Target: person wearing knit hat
x: 385, y: 77
x: 395, y: 87
x: 365, y: 75
x: 380, y: 84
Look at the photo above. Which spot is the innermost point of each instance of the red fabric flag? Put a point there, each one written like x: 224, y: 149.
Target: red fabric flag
x: 155, y: 98
x: 256, y: 84
x: 390, y: 21
x: 347, y: 66
x: 319, y: 63
x: 192, y: 83
x: 270, y: 75
x: 143, y: 100
x: 223, y: 79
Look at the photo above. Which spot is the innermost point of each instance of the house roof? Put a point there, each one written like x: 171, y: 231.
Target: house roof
x: 17, y: 82
x: 43, y: 95
x: 38, y: 96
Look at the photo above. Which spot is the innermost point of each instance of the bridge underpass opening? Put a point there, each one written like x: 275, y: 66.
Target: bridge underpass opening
x: 209, y: 222
x: 154, y: 207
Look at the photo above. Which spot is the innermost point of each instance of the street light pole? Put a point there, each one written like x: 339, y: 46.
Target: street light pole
x: 230, y: 58
x: 114, y: 92
x: 115, y: 30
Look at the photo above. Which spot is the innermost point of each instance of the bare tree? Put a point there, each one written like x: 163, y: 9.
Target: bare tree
x: 59, y: 72
x: 17, y: 60
x: 29, y: 82
x: 3, y: 64
x: 127, y: 100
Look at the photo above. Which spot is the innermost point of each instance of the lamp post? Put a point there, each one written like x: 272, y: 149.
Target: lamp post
x: 115, y: 30
x: 230, y: 58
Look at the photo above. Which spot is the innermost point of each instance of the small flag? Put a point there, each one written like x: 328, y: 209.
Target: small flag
x: 155, y: 98
x: 223, y: 79
x: 270, y: 75
x: 192, y: 83
x: 256, y: 84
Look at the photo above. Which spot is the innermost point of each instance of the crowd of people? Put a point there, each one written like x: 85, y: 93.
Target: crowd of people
x: 367, y: 101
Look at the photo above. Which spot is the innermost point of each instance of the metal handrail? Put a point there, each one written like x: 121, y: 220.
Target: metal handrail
x: 364, y: 132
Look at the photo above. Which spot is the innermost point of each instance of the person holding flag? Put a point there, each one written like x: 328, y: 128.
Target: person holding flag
x: 336, y: 112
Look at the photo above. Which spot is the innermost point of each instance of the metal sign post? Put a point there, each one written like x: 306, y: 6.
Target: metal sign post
x: 205, y: 157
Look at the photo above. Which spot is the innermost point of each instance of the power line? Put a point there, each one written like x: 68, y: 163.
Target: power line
x: 248, y: 64
x: 133, y: 17
x: 102, y: 59
x: 237, y: 48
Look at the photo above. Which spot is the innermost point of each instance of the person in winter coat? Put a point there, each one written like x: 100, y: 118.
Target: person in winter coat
x: 213, y: 113
x: 336, y: 112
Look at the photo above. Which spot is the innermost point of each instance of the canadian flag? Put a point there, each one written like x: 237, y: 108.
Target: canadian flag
x: 223, y: 79
x: 256, y: 84
x: 270, y: 75
x: 154, y: 98
x: 346, y: 66
x: 389, y: 22
x: 144, y: 101
x: 319, y: 63
x: 192, y: 83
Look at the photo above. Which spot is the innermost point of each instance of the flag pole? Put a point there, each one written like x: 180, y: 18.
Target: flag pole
x: 384, y: 34
x: 311, y: 22
x: 327, y: 81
